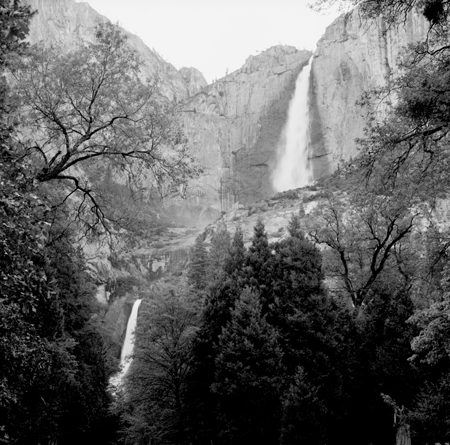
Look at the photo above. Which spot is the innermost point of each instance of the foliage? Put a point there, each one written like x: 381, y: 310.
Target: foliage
x: 394, y: 11
x: 256, y: 262
x: 220, y: 246
x: 14, y: 23
x: 296, y: 268
x: 235, y: 259
x: 248, y: 375
x: 365, y: 239
x: 430, y: 414
x: 272, y: 292
x: 255, y: 348
x: 385, y: 342
x: 403, y: 162
x: 14, y: 27
x: 89, y: 105
x: 198, y: 266
x: 258, y: 252
x: 303, y: 412
x: 219, y: 300
x: 53, y: 376
x: 153, y: 406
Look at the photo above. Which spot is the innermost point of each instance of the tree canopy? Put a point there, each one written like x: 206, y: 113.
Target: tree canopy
x: 93, y: 104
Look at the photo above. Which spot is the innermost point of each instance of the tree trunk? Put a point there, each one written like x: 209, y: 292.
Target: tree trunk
x: 403, y: 435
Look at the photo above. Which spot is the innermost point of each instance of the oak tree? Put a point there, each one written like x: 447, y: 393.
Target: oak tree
x: 363, y: 238
x: 93, y: 105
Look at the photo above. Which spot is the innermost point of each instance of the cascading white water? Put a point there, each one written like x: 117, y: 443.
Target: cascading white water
x: 128, y: 346
x: 293, y: 169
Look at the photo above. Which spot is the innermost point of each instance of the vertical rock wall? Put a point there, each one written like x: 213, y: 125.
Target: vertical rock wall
x: 234, y: 126
x: 353, y: 56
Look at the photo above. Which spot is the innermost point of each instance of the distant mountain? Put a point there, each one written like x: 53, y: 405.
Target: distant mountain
x: 67, y: 23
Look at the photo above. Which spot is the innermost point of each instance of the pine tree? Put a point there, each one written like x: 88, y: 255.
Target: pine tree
x: 235, y: 260
x: 259, y: 251
x: 248, y: 376
x: 198, y: 265
x: 257, y: 265
x: 219, y: 303
x: 296, y: 271
x: 220, y: 247
x: 304, y: 412
x: 224, y: 291
x: 294, y: 227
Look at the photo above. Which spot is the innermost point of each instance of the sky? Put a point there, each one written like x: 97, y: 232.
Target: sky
x: 216, y: 36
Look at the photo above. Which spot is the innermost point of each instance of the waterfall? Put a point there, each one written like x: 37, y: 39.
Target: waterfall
x: 293, y: 169
x: 128, y: 345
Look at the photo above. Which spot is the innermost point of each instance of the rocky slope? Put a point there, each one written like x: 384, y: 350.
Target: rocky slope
x: 134, y: 269
x: 351, y: 57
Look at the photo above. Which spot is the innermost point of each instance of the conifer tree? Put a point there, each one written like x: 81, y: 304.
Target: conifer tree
x: 198, y: 265
x: 235, y: 260
x: 294, y: 227
x: 219, y: 303
x: 303, y: 412
x: 259, y: 251
x: 220, y: 246
x: 224, y: 292
x: 257, y: 265
x: 248, y: 376
x: 296, y: 270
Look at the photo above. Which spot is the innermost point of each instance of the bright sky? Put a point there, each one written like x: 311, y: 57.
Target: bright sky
x: 216, y: 36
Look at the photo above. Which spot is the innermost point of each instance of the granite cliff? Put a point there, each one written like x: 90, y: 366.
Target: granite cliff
x: 352, y: 57
x: 234, y: 125
x: 67, y: 24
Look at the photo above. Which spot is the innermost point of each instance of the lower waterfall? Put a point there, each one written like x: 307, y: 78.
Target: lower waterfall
x: 128, y: 345
x: 293, y: 168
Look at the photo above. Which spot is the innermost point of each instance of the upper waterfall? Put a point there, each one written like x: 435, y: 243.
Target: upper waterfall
x: 293, y: 168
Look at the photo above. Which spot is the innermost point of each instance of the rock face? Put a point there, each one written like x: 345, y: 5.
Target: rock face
x: 67, y: 24
x: 194, y: 79
x: 234, y: 125
x: 352, y: 57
